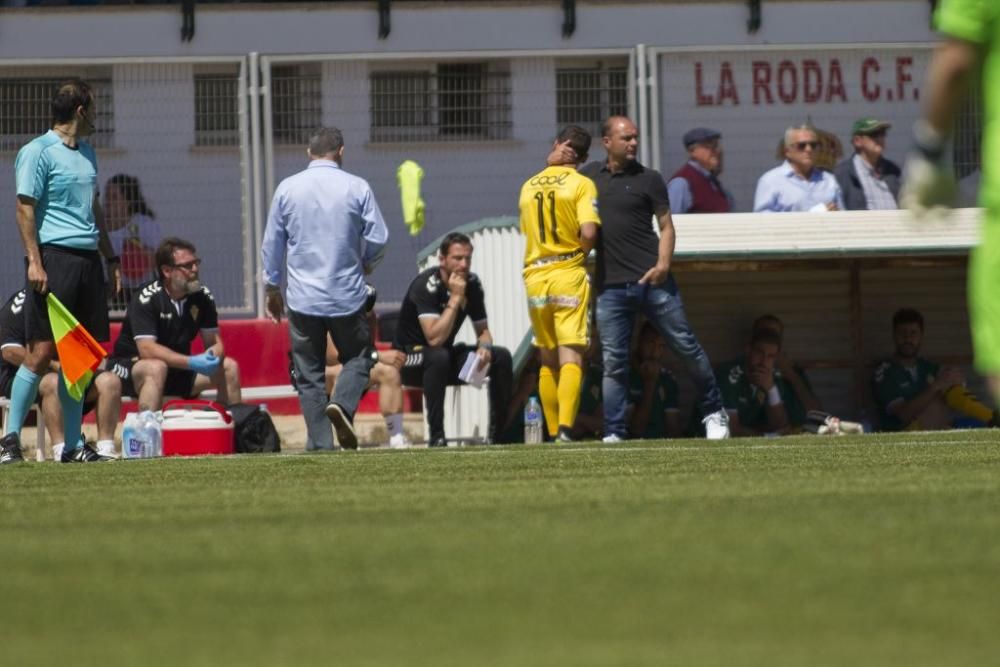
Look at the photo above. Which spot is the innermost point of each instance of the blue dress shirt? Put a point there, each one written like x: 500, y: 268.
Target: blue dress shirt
x: 328, y: 224
x: 781, y: 190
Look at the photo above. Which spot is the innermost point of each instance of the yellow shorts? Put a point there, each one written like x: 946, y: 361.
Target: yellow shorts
x: 559, y: 306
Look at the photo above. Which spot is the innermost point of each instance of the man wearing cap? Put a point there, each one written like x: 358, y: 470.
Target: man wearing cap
x: 868, y: 180
x: 695, y: 187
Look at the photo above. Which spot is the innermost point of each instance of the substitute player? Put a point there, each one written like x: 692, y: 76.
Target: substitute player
x: 972, y: 29
x: 559, y: 221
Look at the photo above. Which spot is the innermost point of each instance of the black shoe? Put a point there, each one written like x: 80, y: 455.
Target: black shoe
x: 564, y: 435
x: 438, y: 442
x: 342, y: 425
x: 10, y: 449
x: 83, y: 454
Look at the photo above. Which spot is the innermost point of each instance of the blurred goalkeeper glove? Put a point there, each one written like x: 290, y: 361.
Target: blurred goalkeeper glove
x: 928, y: 182
x: 205, y: 363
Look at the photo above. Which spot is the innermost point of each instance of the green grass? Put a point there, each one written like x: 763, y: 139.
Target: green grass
x: 800, y: 551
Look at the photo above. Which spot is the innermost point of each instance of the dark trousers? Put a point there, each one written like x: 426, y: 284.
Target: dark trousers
x: 435, y: 368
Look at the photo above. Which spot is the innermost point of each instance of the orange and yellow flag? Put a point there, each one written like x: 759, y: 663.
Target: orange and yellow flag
x: 79, y: 354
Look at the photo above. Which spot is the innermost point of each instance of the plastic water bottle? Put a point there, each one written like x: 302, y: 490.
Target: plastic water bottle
x: 150, y: 434
x: 532, y: 422
x: 132, y: 444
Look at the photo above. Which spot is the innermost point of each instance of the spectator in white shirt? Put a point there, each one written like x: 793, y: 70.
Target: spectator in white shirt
x: 797, y: 184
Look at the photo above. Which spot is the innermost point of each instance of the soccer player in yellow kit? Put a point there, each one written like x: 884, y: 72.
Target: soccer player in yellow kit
x: 559, y: 221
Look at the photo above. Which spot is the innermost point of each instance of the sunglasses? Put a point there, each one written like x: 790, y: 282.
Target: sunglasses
x: 187, y: 266
x: 802, y: 145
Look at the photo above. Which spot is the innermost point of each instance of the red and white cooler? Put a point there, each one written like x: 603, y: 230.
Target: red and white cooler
x: 195, y: 428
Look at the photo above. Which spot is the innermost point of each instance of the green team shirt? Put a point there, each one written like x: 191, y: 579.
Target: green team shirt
x: 793, y: 406
x: 893, y: 382
x: 665, y: 397
x: 978, y: 21
x: 748, y: 401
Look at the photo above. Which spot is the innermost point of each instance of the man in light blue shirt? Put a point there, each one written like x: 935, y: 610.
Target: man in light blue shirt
x: 797, y: 184
x: 328, y: 225
x: 61, y: 224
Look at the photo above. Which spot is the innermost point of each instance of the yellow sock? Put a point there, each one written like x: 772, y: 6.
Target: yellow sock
x: 570, y: 380
x: 959, y: 399
x: 548, y: 392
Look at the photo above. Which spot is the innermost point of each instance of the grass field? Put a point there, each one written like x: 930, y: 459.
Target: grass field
x: 801, y: 551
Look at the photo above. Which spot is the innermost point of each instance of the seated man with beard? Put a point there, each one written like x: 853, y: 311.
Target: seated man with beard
x: 153, y: 353
x: 915, y: 394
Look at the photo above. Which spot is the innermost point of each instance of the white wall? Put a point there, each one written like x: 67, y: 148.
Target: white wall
x: 352, y: 27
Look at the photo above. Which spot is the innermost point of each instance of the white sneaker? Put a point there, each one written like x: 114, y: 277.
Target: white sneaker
x: 399, y: 441
x: 107, y: 451
x: 612, y: 439
x: 716, y: 425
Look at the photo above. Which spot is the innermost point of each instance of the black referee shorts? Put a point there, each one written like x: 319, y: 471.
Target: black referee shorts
x: 76, y: 277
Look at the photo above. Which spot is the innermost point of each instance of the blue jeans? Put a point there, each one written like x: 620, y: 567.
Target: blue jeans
x: 617, y: 306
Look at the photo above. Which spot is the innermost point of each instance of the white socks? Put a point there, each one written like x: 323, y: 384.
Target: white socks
x: 394, y: 423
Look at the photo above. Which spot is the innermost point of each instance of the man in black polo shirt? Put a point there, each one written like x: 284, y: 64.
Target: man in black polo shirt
x: 633, y: 276
x: 435, y: 306
x: 153, y: 353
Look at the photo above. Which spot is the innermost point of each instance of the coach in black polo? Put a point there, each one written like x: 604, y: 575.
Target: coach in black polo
x: 633, y: 276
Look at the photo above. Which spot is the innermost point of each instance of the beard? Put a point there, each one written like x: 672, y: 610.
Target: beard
x: 192, y: 286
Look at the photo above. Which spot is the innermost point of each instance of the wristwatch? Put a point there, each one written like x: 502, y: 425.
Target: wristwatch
x: 114, y: 259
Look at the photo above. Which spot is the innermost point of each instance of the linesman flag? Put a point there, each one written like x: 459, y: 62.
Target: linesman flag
x: 79, y: 354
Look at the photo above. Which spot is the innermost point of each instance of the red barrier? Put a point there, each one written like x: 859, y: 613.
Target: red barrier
x: 261, y: 349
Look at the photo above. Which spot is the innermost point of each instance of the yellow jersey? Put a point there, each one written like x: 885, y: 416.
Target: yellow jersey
x: 554, y: 204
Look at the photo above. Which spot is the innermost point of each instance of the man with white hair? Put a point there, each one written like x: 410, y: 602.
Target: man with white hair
x: 797, y: 184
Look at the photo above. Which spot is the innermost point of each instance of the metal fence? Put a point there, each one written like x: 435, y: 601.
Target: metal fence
x: 172, y: 141
x: 478, y: 124
x: 202, y: 142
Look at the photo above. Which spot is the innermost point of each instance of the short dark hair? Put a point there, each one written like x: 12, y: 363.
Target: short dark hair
x: 766, y: 336
x: 761, y: 323
x: 69, y: 96
x: 325, y: 141
x: 451, y: 239
x: 165, y: 252
x: 907, y: 316
x: 579, y: 140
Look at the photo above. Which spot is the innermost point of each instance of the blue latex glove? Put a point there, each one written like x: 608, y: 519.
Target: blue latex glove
x: 205, y: 363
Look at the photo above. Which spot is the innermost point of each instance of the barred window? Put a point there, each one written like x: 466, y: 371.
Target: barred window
x: 454, y: 102
x: 296, y: 103
x: 587, y: 94
x: 26, y: 110
x: 216, y: 109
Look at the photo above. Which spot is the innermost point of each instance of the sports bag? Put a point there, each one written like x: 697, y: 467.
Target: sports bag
x: 253, y: 430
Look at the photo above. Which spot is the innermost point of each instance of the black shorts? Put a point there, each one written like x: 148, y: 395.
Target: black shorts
x: 179, y: 382
x: 76, y: 277
x: 88, y: 404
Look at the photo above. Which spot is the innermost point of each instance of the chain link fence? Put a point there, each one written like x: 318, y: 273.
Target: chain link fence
x: 172, y: 148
